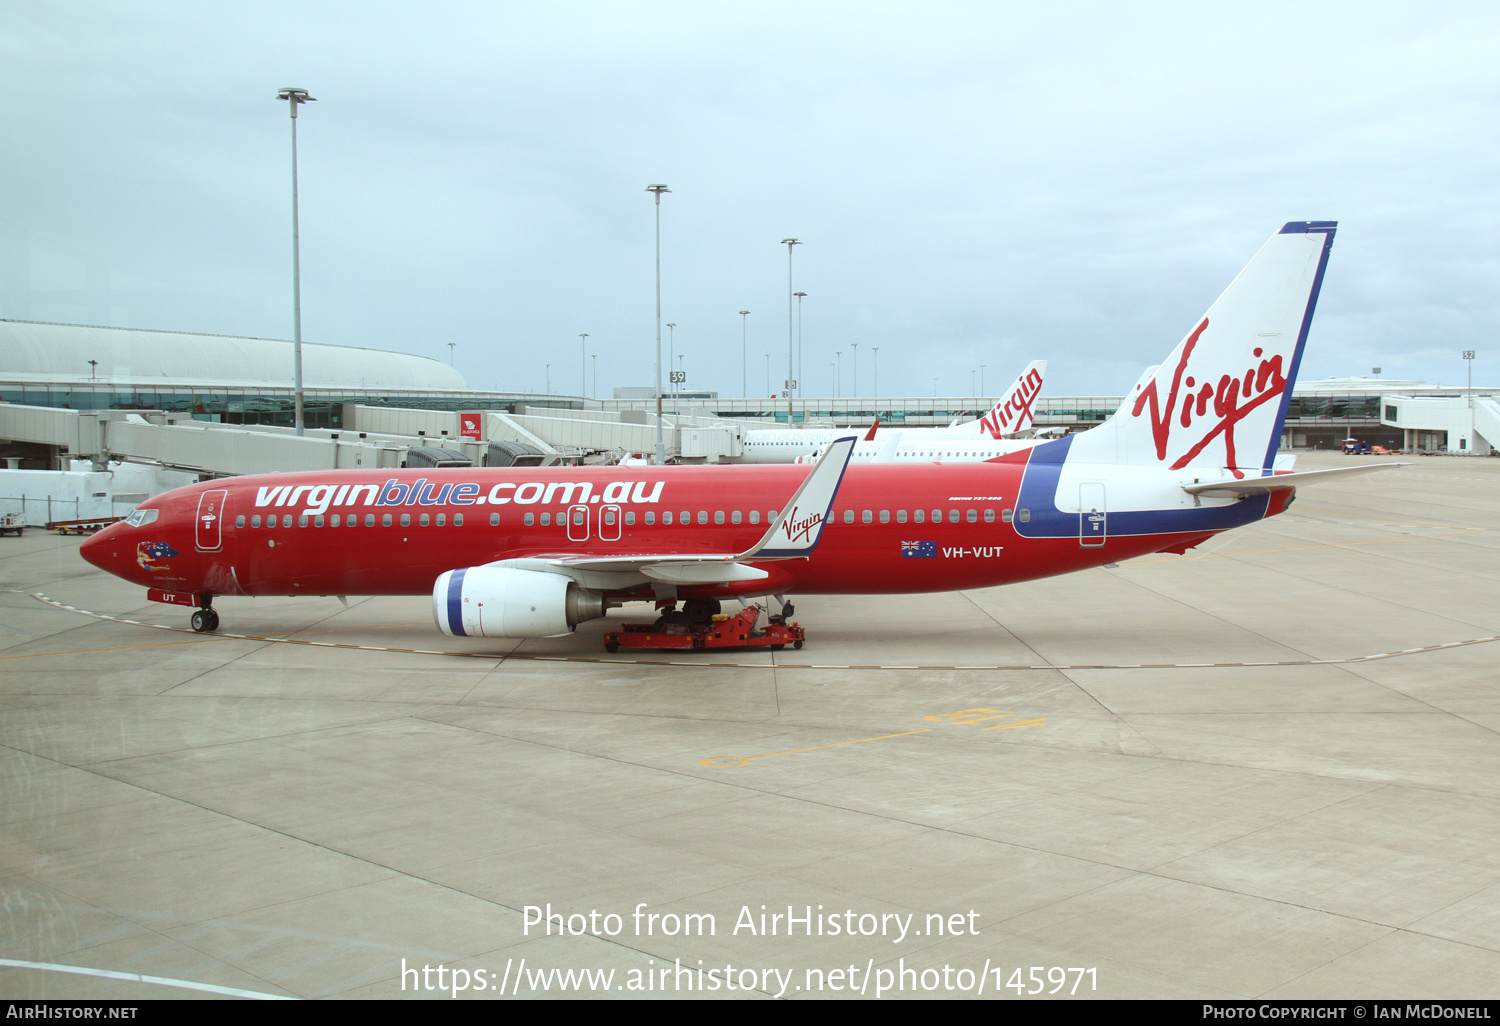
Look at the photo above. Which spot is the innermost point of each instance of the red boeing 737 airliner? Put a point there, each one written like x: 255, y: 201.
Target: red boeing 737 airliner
x: 532, y: 552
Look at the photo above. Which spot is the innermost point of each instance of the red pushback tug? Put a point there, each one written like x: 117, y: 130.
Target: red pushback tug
x: 736, y: 631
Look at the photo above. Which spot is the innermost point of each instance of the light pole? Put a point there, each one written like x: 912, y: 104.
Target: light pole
x: 661, y: 450
x: 744, y: 354
x: 981, y: 379
x: 1469, y: 362
x: 549, y: 379
x: 671, y: 355
x: 450, y: 353
x: 838, y: 373
x: 768, y: 376
x: 789, y: 243
x: 799, y: 296
x: 583, y: 363
x: 682, y: 377
x: 595, y: 358
x: 294, y: 98
x: 854, y: 368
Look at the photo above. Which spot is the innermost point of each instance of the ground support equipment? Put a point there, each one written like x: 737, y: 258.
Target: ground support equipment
x: 738, y: 631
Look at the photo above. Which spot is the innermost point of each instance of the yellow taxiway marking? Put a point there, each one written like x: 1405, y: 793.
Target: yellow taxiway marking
x: 962, y: 718
x: 116, y: 648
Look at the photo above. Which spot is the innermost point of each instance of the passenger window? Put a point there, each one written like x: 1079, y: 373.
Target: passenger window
x: 920, y: 516
x: 1007, y: 516
x: 286, y: 520
x: 885, y: 516
x: 494, y: 519
x: 423, y: 520
x: 630, y: 519
x: 385, y: 520
x: 442, y: 519
x: 369, y: 519
x: 755, y: 516
x: 529, y: 519
x: 937, y: 516
x: 239, y: 521
x: 650, y: 518
x: 771, y: 515
x: 578, y: 515
x: 1025, y: 516
x: 546, y: 519
x: 406, y: 520
x: 703, y: 516
x: 972, y: 516
x: 953, y: 516
x: 458, y: 520
x: 609, y: 517
x: 735, y: 517
x: 718, y: 516
x: 254, y: 521
x: 302, y: 520
x: 900, y: 516
x: 336, y: 521
x: 867, y: 517
x: 318, y: 520
x: 848, y: 516
x: 666, y: 517
x: 685, y: 519
x: 989, y: 516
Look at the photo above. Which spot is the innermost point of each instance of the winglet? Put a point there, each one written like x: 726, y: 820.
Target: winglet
x: 797, y: 530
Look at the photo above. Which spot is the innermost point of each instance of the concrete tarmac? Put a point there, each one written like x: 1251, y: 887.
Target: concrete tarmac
x: 193, y: 816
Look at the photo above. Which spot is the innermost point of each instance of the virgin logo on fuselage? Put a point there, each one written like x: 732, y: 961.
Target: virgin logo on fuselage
x: 1233, y: 397
x: 1007, y: 416
x: 801, y: 530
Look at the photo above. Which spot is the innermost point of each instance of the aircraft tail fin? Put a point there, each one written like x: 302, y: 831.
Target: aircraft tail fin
x: 1014, y: 411
x: 1220, y: 398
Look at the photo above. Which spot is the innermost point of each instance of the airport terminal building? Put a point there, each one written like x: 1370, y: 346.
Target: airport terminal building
x: 103, y: 376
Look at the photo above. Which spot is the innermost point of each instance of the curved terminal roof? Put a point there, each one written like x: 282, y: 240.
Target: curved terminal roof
x: 32, y: 351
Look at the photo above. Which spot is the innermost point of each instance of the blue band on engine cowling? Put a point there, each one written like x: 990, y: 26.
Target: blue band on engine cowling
x: 455, y: 603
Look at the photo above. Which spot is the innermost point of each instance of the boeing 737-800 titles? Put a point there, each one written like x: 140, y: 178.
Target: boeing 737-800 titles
x: 530, y: 552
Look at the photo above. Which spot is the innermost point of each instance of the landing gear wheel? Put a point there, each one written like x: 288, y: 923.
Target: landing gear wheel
x: 205, y: 621
x: 701, y: 611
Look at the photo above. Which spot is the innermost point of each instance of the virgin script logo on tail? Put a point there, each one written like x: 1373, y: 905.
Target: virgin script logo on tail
x: 1233, y: 397
x: 1011, y: 413
x: 801, y: 530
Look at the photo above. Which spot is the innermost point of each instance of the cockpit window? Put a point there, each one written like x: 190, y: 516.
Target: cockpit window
x: 141, y: 517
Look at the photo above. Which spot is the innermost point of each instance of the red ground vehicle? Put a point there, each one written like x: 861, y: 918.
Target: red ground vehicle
x: 738, y: 631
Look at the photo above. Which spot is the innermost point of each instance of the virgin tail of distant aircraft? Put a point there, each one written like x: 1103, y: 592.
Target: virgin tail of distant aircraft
x: 1220, y: 399
x: 1014, y: 412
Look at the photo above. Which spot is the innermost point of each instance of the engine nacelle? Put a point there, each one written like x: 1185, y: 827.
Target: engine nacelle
x: 499, y: 602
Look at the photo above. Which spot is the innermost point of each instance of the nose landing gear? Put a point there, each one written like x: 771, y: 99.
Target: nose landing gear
x: 205, y: 620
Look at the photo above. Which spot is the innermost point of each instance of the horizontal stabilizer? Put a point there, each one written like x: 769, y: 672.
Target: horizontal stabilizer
x: 1257, y: 485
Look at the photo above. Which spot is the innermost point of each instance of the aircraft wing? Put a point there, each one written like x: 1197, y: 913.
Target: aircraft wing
x: 1256, y: 485
x: 794, y: 535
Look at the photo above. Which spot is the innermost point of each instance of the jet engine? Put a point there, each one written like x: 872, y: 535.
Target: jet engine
x: 500, y: 602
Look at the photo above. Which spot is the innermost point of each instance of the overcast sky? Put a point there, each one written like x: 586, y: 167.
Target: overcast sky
x: 973, y: 184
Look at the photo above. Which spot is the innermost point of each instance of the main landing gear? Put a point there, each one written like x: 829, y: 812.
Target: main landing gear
x: 205, y: 620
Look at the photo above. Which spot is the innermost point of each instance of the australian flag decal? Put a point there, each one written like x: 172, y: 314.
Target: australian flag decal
x: 919, y: 550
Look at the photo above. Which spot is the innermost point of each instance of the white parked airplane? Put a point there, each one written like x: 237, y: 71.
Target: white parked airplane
x: 1011, y: 415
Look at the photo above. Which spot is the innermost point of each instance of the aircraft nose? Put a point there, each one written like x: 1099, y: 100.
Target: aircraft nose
x: 98, y: 548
